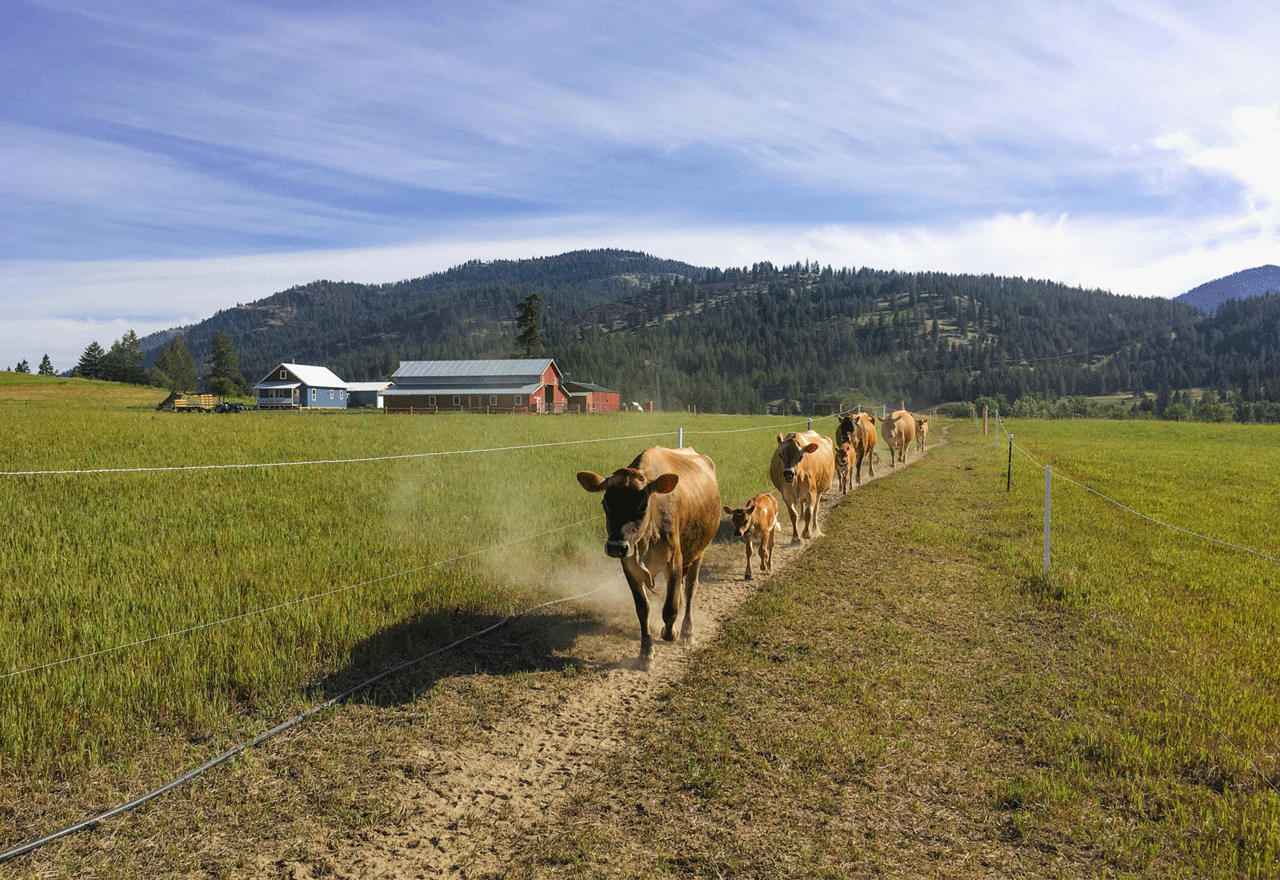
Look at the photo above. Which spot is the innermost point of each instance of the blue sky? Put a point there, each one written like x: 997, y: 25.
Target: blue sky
x: 161, y: 161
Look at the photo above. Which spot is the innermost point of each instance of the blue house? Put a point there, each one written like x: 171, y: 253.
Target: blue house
x: 298, y: 386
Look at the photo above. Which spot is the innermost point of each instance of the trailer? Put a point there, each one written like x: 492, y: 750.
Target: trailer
x: 180, y: 401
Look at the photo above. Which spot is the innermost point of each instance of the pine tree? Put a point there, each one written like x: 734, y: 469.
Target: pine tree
x: 176, y: 369
x: 224, y: 377
x: 528, y: 322
x: 23, y: 367
x: 90, y: 366
x: 46, y: 367
x: 123, y: 363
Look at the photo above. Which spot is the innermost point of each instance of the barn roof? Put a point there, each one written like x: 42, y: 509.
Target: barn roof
x: 532, y: 368
x: 315, y: 377
x: 367, y: 386
x: 451, y: 390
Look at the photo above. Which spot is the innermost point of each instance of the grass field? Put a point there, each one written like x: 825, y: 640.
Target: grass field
x: 382, y: 515
x: 913, y: 697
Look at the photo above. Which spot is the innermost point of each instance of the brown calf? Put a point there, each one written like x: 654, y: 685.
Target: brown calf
x: 755, y: 524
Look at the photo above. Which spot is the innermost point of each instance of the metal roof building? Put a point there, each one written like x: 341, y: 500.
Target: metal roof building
x: 511, y: 385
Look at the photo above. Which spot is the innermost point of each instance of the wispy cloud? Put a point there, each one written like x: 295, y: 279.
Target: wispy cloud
x: 219, y: 152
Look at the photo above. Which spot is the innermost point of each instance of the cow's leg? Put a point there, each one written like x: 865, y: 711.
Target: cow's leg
x: 746, y: 540
x: 769, y: 540
x: 810, y: 513
x: 642, y: 612
x: 670, y: 608
x: 690, y: 588
x: 765, y: 538
x: 795, y: 516
x: 858, y: 473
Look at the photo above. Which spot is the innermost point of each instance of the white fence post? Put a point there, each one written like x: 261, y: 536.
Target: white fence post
x: 1048, y: 473
x: 679, y: 438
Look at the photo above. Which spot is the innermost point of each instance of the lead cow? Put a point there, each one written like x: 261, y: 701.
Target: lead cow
x: 661, y: 513
x: 802, y: 467
x: 898, y: 430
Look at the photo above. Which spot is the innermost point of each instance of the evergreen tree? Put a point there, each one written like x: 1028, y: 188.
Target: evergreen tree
x: 224, y: 377
x: 90, y: 366
x: 123, y: 362
x: 46, y: 367
x: 176, y: 369
x: 529, y: 324
x: 23, y: 367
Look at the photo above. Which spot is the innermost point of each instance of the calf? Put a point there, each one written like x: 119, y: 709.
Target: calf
x: 755, y: 524
x: 844, y: 466
x: 922, y: 431
x: 859, y: 431
x: 661, y: 513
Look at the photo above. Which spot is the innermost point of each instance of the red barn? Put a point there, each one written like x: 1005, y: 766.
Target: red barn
x: 587, y: 398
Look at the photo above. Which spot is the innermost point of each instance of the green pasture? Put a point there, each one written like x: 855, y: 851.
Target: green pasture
x: 1176, y: 706
x: 415, y: 526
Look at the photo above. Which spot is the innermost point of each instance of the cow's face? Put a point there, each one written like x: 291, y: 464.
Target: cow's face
x: 741, y: 517
x: 842, y: 456
x: 790, y: 452
x: 625, y: 503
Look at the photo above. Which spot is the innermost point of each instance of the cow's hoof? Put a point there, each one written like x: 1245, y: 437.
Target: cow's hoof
x: 747, y: 576
x: 668, y: 634
x: 644, y: 664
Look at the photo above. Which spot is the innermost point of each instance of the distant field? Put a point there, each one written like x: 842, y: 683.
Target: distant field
x: 397, y: 534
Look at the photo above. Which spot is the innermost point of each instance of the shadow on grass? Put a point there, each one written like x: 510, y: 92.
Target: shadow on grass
x: 543, y: 641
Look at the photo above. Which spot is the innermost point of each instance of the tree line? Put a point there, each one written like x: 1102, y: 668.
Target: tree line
x: 758, y: 338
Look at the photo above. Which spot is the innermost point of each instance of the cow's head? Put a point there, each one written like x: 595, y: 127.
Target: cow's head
x: 741, y: 517
x: 842, y: 456
x: 625, y: 503
x: 789, y: 453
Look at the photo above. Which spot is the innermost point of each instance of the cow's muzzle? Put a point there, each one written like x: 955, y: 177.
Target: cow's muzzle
x: 789, y: 475
x: 617, y: 549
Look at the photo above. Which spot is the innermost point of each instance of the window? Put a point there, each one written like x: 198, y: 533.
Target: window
x: 284, y: 374
x: 313, y: 394
x: 331, y: 394
x: 493, y: 400
x: 431, y: 400
x: 519, y: 400
x: 457, y: 401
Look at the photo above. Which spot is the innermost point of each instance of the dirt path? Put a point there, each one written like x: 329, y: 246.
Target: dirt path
x: 458, y: 819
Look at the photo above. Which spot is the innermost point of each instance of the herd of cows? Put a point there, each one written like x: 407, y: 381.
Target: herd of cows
x: 663, y: 510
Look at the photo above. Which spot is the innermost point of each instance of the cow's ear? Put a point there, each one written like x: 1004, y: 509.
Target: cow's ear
x: 750, y: 509
x: 811, y: 448
x: 590, y: 481
x: 664, y: 484
x: 729, y: 510
x: 779, y: 439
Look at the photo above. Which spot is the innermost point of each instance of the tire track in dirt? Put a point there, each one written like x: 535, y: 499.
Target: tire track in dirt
x: 457, y: 820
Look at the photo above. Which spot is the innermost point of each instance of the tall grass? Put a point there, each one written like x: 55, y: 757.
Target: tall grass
x: 92, y: 561
x: 1180, y: 710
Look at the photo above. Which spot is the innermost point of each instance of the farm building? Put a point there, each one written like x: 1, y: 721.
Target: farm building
x: 534, y: 385
x: 588, y: 398
x: 366, y: 393
x: 298, y: 386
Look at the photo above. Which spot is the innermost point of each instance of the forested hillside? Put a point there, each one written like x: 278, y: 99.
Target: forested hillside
x: 742, y: 339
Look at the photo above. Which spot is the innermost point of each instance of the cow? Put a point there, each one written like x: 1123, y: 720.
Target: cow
x: 859, y: 432
x: 755, y: 523
x: 661, y: 513
x: 844, y: 467
x: 802, y: 467
x: 898, y: 430
x: 922, y: 431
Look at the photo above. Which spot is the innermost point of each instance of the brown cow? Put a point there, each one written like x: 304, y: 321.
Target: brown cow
x: 755, y: 524
x: 898, y: 430
x: 662, y: 512
x: 802, y: 467
x: 922, y: 431
x: 859, y: 431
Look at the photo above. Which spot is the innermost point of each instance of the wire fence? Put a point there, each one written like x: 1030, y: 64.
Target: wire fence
x: 1117, y: 617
